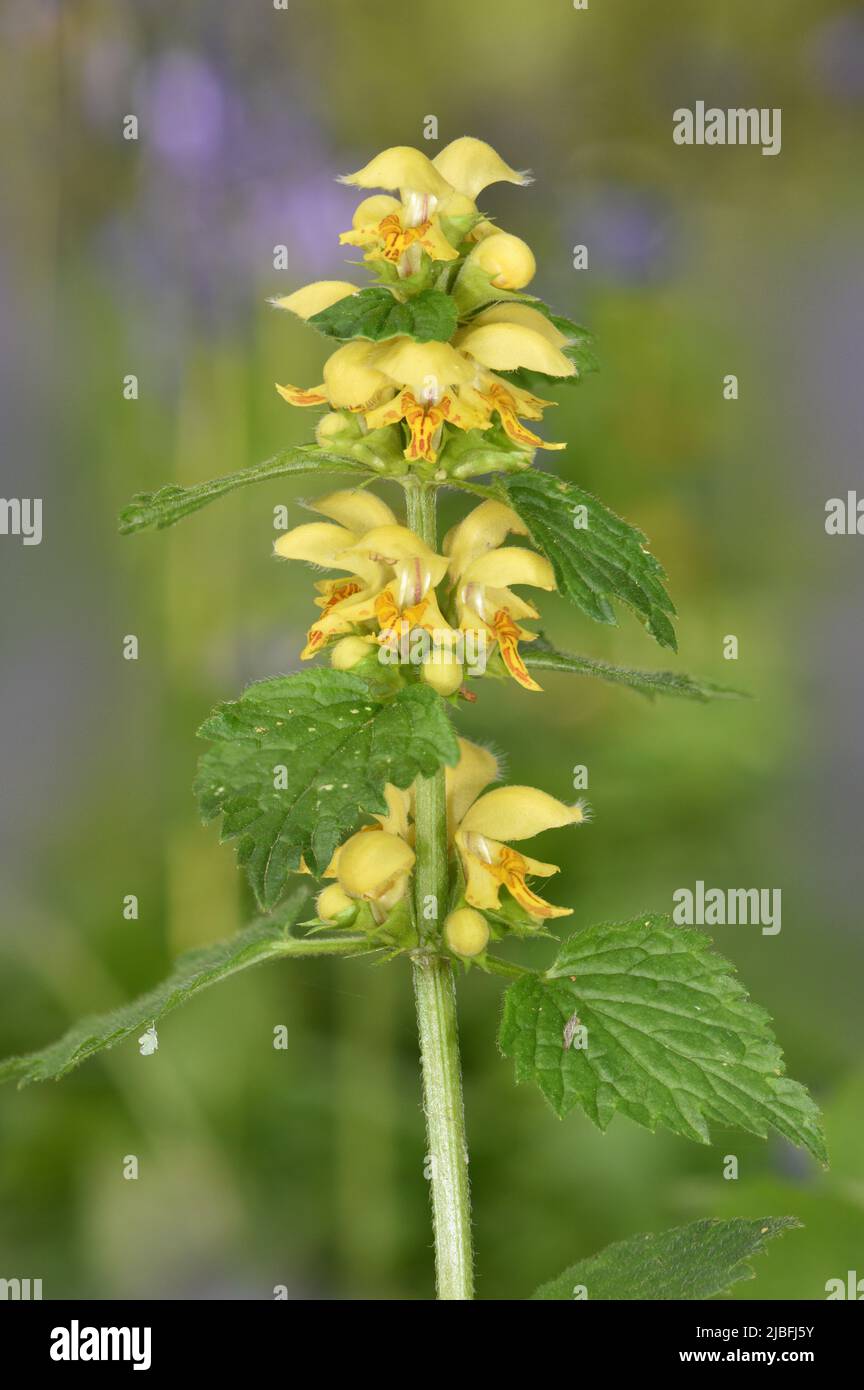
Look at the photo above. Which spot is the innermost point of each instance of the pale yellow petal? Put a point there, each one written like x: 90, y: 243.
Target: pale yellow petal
x: 476, y: 768
x: 471, y: 165
x: 318, y: 543
x: 356, y: 509
x: 518, y: 813
x: 435, y: 243
x: 523, y: 314
x: 508, y: 346
x: 402, y: 167
x: 422, y: 365
x: 483, y: 529
x: 482, y: 888
x: 510, y: 565
x: 389, y: 544
x: 351, y: 378
x: 315, y: 298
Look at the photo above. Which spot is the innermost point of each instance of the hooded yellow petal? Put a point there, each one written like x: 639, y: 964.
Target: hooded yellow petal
x: 508, y: 260
x: 315, y: 298
x: 476, y: 768
x: 318, y: 543
x: 350, y: 377
x: 356, y: 509
x: 471, y: 165
x: 402, y: 167
x: 510, y: 565
x: 518, y: 813
x: 524, y: 315
x: 387, y: 545
x: 423, y: 365
x: 508, y: 346
x: 482, y: 529
x: 371, y: 862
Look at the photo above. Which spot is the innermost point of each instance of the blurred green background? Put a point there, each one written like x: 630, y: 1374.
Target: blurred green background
x: 304, y: 1167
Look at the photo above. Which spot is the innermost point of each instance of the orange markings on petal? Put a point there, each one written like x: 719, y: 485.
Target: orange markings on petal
x: 295, y: 395
x: 511, y: 871
x: 507, y: 636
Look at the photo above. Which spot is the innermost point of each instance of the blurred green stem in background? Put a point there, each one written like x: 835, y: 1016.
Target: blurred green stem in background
x: 435, y: 995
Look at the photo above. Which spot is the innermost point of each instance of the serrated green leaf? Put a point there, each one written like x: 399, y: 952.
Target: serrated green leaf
x: 170, y: 504
x: 697, y: 1261
x: 376, y: 313
x: 649, y: 683
x: 673, y: 1038
x: 604, y: 560
x: 339, y: 744
x: 266, y: 939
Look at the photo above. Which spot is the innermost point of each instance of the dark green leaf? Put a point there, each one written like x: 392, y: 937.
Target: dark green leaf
x: 156, y: 510
x: 339, y: 745
x: 673, y: 1038
x: 648, y: 683
x: 377, y: 314
x: 689, y: 1262
x: 266, y: 939
x: 603, y: 560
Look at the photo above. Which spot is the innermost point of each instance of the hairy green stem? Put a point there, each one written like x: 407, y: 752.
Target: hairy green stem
x: 435, y: 996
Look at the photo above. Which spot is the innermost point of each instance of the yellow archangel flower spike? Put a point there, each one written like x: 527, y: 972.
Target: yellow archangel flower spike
x: 488, y: 862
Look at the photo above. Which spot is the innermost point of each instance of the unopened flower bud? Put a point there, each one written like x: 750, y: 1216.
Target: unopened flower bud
x: 443, y: 674
x: 466, y: 932
x: 334, y: 906
x: 507, y: 259
x: 347, y: 652
x: 338, y: 427
x: 372, y: 862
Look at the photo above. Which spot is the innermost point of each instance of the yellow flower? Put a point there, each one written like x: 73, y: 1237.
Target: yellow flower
x: 325, y: 545
x: 482, y: 571
x: 430, y: 190
x: 507, y: 337
x: 488, y: 862
x: 410, y: 575
x: 394, y: 573
x: 428, y: 377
